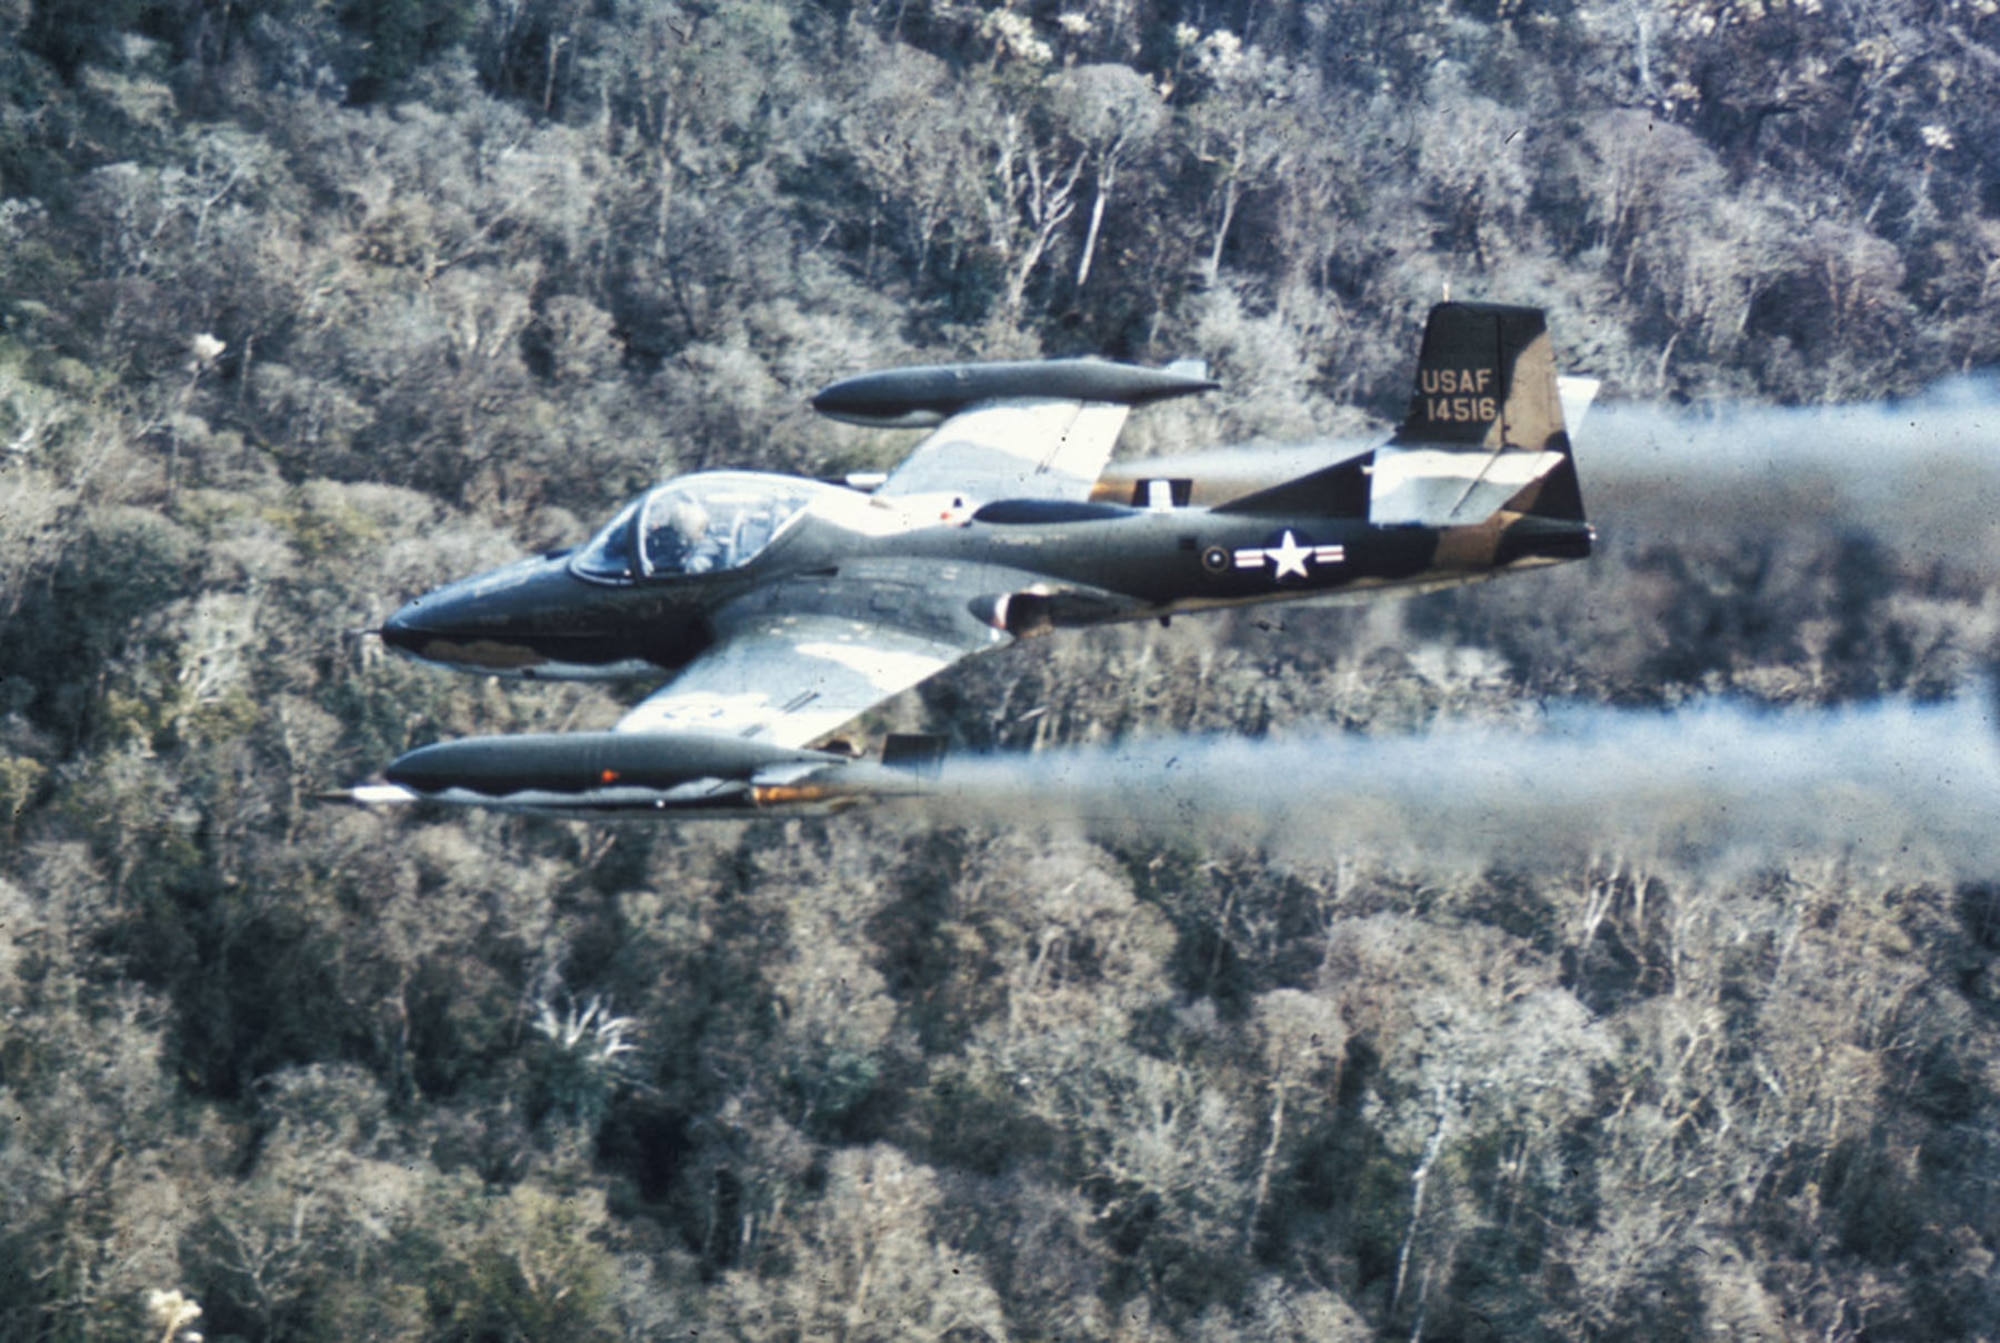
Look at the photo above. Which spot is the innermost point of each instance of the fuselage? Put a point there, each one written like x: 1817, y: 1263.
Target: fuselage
x: 1022, y: 567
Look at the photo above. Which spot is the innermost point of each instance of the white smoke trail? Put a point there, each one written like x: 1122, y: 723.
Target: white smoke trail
x: 1714, y: 783
x: 1922, y: 476
x: 1868, y: 445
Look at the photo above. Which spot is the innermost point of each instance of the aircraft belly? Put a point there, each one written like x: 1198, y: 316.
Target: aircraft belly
x: 650, y: 648
x: 529, y: 665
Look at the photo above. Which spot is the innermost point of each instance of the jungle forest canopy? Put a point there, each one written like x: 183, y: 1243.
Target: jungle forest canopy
x: 308, y: 305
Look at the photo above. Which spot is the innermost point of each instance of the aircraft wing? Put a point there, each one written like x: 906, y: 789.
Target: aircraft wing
x: 1033, y: 430
x: 1025, y: 449
x: 790, y: 679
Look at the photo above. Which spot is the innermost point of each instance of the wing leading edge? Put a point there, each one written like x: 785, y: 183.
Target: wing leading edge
x: 791, y: 679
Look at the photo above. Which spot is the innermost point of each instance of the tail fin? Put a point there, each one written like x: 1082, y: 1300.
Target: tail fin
x: 1485, y: 427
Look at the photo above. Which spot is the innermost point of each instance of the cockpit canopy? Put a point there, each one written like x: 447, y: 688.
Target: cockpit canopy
x: 695, y: 525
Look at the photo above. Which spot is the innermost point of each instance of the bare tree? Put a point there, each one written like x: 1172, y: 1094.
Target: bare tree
x: 1113, y: 112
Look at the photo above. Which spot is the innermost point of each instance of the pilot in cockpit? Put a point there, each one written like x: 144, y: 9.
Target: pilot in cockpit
x: 678, y: 541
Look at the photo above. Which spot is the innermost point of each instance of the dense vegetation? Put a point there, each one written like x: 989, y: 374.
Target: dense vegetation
x: 306, y: 305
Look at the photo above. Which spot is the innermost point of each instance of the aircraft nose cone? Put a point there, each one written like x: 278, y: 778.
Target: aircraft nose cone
x: 403, y: 630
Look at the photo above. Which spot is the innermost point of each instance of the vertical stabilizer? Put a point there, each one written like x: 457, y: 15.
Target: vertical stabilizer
x: 1485, y: 425
x: 1486, y: 378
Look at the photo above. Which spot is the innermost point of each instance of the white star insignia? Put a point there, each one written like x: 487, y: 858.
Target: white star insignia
x: 1289, y: 556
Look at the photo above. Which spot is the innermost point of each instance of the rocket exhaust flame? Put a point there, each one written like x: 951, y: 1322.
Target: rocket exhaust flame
x: 802, y: 794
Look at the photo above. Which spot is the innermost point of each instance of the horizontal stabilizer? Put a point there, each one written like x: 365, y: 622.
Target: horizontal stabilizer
x: 1436, y: 487
x: 1576, y: 396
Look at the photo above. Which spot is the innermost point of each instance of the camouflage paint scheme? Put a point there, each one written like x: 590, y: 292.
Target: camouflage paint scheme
x: 1003, y: 524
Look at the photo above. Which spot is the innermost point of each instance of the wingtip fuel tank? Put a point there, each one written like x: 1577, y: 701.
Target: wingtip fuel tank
x: 926, y: 395
x: 608, y: 774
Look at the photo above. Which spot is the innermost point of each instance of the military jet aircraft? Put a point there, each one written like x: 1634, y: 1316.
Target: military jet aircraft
x: 781, y: 608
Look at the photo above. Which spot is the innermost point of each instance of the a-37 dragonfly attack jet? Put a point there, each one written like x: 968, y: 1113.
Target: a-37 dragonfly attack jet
x: 781, y: 608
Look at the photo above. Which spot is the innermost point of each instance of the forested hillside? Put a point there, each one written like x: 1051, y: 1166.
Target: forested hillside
x: 309, y: 305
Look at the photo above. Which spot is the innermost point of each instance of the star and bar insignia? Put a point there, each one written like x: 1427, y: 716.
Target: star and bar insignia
x: 1289, y: 556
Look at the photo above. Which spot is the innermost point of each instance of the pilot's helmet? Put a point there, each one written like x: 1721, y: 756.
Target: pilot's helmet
x: 690, y: 519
